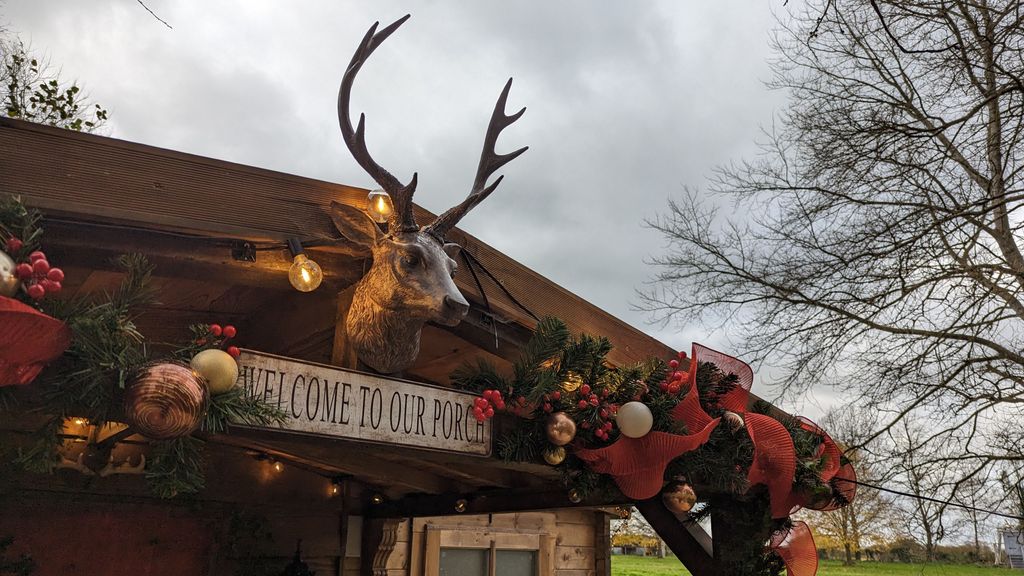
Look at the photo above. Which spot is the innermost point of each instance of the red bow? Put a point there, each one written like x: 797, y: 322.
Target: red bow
x: 29, y: 340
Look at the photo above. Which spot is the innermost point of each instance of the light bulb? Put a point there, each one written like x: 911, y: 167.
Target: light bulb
x: 278, y: 467
x: 378, y: 206
x: 305, y: 275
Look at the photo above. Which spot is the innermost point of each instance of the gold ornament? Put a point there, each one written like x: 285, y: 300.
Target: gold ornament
x: 734, y: 421
x: 166, y: 401
x: 554, y: 455
x: 679, y: 498
x: 9, y: 282
x: 219, y: 369
x: 460, y: 505
x: 574, y: 496
x: 560, y: 429
x: 572, y: 382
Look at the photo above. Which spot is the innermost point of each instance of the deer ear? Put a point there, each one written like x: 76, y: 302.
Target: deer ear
x: 355, y: 225
x: 452, y: 250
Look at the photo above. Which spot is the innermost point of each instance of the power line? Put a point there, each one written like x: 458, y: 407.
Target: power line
x: 929, y: 499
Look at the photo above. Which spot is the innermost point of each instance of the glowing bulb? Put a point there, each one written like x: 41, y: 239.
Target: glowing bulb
x: 278, y: 467
x: 335, y: 489
x: 305, y: 275
x: 378, y: 206
x: 79, y: 421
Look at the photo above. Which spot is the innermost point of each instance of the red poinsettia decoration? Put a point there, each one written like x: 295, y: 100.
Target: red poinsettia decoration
x: 29, y: 340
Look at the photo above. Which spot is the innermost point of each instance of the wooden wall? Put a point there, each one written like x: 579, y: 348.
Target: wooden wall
x: 571, y: 542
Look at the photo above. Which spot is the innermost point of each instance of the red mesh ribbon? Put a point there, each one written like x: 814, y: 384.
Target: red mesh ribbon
x: 796, y: 548
x: 29, y: 340
x: 638, y: 464
x: 774, y: 460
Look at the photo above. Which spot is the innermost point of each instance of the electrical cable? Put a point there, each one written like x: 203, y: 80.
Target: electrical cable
x: 929, y: 499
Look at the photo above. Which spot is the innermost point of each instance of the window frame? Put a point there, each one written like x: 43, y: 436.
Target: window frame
x: 437, y: 537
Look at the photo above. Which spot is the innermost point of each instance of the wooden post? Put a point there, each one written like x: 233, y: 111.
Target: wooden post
x: 678, y: 539
x: 602, y: 544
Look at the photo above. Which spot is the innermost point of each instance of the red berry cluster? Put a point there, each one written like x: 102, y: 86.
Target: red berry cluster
x: 487, y: 404
x: 586, y: 398
x: 36, y: 275
x: 227, y: 333
x: 673, y: 384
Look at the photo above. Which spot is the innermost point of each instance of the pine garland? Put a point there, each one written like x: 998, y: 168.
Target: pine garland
x: 107, y: 351
x: 557, y: 372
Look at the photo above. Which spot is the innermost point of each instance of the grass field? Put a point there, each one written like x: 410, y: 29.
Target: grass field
x: 638, y: 566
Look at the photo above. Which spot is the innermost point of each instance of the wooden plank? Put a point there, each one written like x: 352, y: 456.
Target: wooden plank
x: 546, y: 556
x: 574, y: 557
x: 483, y: 502
x: 333, y: 402
x: 87, y: 176
x: 680, y: 541
x: 432, y: 554
x: 602, y: 544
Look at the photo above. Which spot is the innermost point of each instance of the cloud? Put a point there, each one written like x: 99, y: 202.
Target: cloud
x: 627, y: 103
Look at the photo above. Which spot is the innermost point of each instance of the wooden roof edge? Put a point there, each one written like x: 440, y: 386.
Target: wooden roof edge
x: 347, y: 193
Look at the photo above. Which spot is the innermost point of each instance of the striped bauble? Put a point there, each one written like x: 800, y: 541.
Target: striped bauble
x: 166, y: 401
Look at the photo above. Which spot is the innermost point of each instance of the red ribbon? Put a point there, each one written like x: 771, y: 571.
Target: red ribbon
x: 638, y: 464
x: 29, y: 340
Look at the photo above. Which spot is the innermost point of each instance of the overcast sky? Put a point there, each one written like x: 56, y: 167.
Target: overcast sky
x: 627, y: 102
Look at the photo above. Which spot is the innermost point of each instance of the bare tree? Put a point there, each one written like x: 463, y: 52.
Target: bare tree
x: 869, y: 517
x: 876, y: 243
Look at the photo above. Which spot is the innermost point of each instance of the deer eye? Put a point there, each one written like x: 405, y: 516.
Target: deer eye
x: 410, y: 260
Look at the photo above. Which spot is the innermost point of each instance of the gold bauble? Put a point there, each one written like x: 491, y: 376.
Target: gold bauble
x: 9, y: 283
x: 572, y: 382
x: 680, y: 498
x: 460, y: 505
x: 219, y: 369
x: 166, y: 401
x: 560, y: 429
x: 554, y: 455
x: 574, y: 496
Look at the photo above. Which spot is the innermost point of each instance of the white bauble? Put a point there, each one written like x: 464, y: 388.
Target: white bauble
x: 9, y: 283
x: 634, y: 419
x: 218, y: 368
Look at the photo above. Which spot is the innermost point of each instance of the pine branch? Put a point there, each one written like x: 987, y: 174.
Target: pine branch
x: 237, y: 407
x: 176, y: 467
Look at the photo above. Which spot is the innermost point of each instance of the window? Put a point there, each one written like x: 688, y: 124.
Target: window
x: 476, y: 562
x: 487, y: 552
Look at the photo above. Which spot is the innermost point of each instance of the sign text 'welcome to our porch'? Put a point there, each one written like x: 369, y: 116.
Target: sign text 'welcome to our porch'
x: 331, y: 401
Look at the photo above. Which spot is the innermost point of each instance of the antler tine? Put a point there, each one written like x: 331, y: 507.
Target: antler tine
x: 402, y: 219
x: 490, y: 162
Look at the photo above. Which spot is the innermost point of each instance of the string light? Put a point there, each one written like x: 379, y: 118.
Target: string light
x: 460, y: 505
x: 377, y: 499
x: 379, y: 206
x: 278, y: 467
x: 305, y: 275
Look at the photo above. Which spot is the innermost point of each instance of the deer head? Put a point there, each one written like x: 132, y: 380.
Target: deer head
x: 411, y: 279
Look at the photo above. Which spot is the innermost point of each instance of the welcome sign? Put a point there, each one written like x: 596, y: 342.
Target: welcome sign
x: 330, y: 401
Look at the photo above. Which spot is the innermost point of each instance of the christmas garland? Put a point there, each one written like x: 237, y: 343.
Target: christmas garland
x: 650, y: 428
x: 99, y: 369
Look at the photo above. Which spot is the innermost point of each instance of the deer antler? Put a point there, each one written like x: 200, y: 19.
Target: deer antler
x: 490, y: 162
x: 402, y: 219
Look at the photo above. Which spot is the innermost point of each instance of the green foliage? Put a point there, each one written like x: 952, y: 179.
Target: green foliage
x: 19, y: 221
x: 29, y: 90
x: 176, y: 467
x: 235, y: 406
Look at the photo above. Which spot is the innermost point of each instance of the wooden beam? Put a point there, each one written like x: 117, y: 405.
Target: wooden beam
x: 678, y: 539
x: 482, y: 502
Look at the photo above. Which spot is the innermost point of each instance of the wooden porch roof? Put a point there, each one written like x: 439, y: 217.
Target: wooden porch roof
x: 102, y: 197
